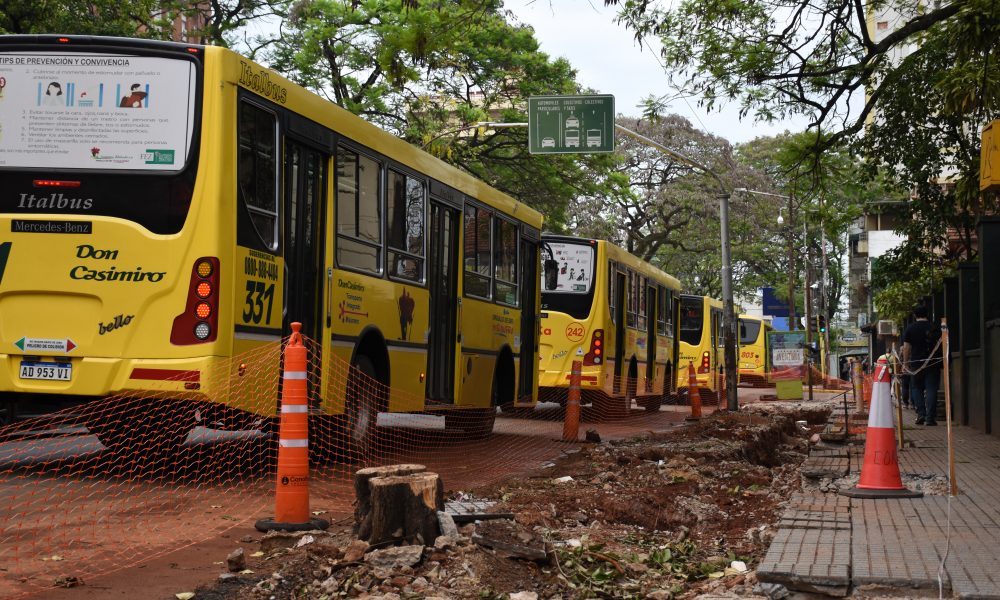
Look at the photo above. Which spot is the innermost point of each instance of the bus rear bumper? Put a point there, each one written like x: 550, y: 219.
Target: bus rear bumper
x: 197, y: 378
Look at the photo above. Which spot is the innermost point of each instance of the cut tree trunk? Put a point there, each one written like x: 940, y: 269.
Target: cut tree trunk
x: 362, y: 493
x: 404, y: 508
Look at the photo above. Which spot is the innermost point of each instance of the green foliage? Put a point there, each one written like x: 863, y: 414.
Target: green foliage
x: 429, y: 73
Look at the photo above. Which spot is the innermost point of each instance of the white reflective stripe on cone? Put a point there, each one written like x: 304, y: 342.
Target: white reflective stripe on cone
x: 295, y: 374
x: 880, y: 411
x: 294, y: 408
x: 294, y: 443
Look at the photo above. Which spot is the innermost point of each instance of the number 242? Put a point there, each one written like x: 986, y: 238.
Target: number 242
x: 257, y: 293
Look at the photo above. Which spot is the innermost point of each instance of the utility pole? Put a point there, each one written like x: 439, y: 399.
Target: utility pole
x: 809, y: 311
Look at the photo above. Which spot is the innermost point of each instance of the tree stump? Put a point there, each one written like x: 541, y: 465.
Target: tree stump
x: 362, y: 492
x: 403, y: 508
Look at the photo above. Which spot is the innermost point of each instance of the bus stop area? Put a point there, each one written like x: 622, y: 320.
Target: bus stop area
x: 936, y: 544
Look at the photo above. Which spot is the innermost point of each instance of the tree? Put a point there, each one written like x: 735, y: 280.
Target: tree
x: 139, y: 18
x: 429, y: 72
x: 668, y: 214
x: 778, y: 58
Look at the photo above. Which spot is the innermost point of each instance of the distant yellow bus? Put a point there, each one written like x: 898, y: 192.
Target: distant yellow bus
x: 613, y: 312
x: 755, y: 356
x: 169, y: 206
x: 701, y: 344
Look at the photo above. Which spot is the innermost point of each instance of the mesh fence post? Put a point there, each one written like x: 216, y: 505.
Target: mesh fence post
x: 571, y: 426
x: 291, y: 498
x: 693, y: 394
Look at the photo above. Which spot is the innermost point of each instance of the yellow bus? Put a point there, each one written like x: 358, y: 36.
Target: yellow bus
x: 701, y: 344
x: 166, y: 207
x: 755, y: 355
x: 613, y: 312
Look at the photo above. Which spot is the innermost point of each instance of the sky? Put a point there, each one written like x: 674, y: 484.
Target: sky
x: 609, y: 60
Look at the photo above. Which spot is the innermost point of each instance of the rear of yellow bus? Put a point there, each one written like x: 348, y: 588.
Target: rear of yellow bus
x: 753, y: 356
x: 572, y: 325
x: 696, y: 345
x: 110, y: 248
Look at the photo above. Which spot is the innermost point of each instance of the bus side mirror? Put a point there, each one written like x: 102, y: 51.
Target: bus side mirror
x: 551, y: 274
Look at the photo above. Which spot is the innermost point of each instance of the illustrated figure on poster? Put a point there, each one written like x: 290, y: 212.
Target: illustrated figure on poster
x: 54, y: 95
x: 135, y: 99
x: 3, y: 84
x: 562, y: 271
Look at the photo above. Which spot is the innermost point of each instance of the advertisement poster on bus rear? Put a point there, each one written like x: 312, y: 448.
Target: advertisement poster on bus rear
x: 95, y: 111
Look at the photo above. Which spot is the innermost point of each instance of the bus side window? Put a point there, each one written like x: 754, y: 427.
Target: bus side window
x: 661, y: 310
x: 632, y: 300
x: 478, y: 251
x: 359, y: 214
x: 640, y: 284
x: 612, y: 269
x: 505, y: 261
x: 257, y: 173
x: 406, y: 209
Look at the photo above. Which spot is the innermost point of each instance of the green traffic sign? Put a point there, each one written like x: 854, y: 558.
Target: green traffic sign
x: 571, y: 124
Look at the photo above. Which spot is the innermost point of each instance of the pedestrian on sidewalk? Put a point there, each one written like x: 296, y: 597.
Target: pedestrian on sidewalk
x: 922, y: 360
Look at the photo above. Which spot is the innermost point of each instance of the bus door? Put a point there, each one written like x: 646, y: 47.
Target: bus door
x: 305, y: 182
x: 529, y: 317
x: 444, y: 302
x: 652, y: 312
x: 620, y: 285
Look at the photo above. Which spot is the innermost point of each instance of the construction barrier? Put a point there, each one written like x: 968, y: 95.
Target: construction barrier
x: 880, y: 477
x: 117, y: 482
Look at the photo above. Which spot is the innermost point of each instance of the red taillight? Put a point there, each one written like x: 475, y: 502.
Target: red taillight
x: 199, y: 322
x: 55, y: 183
x: 63, y: 40
x: 596, y: 341
x: 706, y: 363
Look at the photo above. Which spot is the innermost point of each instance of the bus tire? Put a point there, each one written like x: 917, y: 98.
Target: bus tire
x: 361, y: 436
x: 151, y: 430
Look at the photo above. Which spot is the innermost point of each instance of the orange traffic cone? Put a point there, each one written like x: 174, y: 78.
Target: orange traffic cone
x: 291, y: 499
x: 693, y: 394
x: 880, y: 470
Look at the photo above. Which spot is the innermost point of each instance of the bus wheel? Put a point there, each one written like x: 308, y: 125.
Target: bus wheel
x: 152, y: 430
x: 363, y: 399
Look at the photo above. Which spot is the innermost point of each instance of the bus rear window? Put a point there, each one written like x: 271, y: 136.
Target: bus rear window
x: 692, y: 318
x: 569, y: 268
x: 103, y: 112
x: 749, y: 331
x: 103, y: 133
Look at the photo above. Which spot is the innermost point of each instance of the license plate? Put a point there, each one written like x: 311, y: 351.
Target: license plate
x: 46, y: 370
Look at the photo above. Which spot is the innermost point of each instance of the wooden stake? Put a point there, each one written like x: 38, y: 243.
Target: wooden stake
x: 945, y: 353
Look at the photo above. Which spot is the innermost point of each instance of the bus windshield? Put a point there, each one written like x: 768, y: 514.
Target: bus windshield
x: 692, y: 317
x: 749, y: 330
x: 98, y: 133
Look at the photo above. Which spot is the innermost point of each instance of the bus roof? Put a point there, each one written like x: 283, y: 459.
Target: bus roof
x: 311, y: 106
x: 616, y: 253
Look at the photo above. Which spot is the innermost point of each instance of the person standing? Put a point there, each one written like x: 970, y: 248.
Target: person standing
x: 922, y: 360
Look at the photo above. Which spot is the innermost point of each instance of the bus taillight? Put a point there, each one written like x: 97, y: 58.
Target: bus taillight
x: 596, y: 354
x: 199, y: 321
x: 706, y: 363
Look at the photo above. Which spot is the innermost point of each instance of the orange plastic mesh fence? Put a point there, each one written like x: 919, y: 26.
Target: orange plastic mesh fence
x: 116, y: 482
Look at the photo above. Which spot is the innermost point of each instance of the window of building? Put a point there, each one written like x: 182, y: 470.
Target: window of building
x: 359, y: 211
x: 257, y: 170
x: 406, y: 212
x: 505, y: 261
x: 478, y: 251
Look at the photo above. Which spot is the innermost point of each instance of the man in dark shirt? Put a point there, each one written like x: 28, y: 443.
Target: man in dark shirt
x: 922, y: 359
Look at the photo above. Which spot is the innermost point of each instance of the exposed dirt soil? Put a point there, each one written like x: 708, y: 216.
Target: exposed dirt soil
x: 667, y: 515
